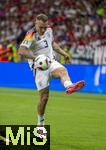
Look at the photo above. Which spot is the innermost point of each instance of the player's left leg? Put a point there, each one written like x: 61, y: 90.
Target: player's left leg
x: 62, y: 73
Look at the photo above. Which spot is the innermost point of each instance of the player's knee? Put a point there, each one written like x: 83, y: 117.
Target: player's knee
x: 44, y: 99
x: 63, y: 71
x: 44, y: 94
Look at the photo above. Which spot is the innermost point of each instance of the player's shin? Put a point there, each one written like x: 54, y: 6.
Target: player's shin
x: 41, y: 120
x: 67, y: 83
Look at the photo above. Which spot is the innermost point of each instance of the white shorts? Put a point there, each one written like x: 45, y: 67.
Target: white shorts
x: 42, y: 77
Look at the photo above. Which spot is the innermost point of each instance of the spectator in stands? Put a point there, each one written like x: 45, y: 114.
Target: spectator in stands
x: 72, y: 19
x: 12, y: 55
x: 3, y: 54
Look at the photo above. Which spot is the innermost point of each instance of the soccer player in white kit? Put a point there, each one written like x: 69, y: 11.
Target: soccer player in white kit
x: 39, y: 40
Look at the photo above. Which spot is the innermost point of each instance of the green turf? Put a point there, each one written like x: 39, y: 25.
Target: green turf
x: 78, y: 121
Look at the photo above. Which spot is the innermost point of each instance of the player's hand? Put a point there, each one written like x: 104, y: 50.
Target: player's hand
x: 67, y: 59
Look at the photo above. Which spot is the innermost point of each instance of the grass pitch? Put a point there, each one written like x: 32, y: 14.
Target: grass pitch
x: 78, y: 121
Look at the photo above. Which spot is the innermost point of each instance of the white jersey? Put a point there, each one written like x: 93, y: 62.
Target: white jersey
x: 39, y: 44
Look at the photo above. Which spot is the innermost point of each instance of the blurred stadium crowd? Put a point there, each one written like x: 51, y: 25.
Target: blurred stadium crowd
x: 79, y: 27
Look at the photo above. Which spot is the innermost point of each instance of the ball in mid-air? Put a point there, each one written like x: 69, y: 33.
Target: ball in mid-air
x: 42, y: 62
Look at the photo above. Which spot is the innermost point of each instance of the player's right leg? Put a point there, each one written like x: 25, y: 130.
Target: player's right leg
x: 43, y: 98
x: 42, y: 83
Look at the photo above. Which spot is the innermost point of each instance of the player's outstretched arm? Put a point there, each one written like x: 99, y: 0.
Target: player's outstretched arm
x: 59, y: 50
x: 24, y: 51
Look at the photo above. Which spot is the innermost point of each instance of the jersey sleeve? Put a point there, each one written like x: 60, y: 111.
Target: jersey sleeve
x: 28, y: 40
x: 52, y: 36
x: 50, y: 31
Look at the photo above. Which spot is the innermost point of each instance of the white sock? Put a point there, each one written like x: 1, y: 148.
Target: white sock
x: 40, y: 119
x: 67, y: 84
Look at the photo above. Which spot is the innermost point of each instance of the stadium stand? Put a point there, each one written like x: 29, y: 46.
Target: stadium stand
x: 79, y: 25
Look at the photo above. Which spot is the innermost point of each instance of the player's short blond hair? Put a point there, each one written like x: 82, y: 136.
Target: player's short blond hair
x: 42, y: 17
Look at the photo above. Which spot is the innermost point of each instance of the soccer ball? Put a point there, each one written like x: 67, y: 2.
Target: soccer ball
x: 42, y: 62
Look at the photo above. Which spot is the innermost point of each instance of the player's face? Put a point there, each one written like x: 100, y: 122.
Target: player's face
x: 41, y: 26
